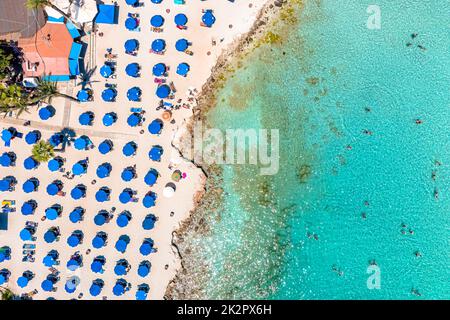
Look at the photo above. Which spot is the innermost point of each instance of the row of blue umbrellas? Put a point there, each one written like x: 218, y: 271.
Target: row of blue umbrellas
x: 79, y: 191
x: 157, y: 21
x: 159, y: 45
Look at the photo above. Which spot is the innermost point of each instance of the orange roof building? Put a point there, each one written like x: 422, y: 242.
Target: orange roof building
x: 49, y: 52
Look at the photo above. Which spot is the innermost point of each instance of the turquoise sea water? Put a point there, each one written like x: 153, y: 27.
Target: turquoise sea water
x: 342, y: 197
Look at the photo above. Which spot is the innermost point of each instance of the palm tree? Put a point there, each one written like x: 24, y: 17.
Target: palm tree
x: 12, y: 98
x: 85, y: 78
x: 45, y: 91
x: 7, y: 294
x: 41, y: 4
x: 42, y: 151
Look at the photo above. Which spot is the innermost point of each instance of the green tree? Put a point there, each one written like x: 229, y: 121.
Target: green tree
x: 7, y: 294
x: 45, y: 91
x: 13, y: 98
x: 41, y: 4
x: 6, y: 61
x: 42, y: 151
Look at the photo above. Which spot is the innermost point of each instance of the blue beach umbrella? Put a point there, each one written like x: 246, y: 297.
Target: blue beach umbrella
x: 8, y: 135
x: 30, y: 164
x: 131, y: 45
x: 105, y: 147
x: 22, y: 281
x: 86, y: 118
x: 155, y: 153
x: 95, y: 290
x: 159, y: 69
x: 78, y: 192
x: 149, y: 222
x: 180, y: 19
x: 104, y: 170
x: 97, y: 265
x: 125, y: 196
x: 102, y: 194
x: 132, y: 2
x: 106, y: 71
x: 183, y: 69
x: 71, y: 285
x: 121, y: 267
x: 79, y: 168
x: 26, y: 234
x: 73, y: 264
x: 109, y: 95
x: 131, y: 23
x: 101, y: 217
x: 181, y: 45
x: 30, y: 185
x: 99, y: 240
x: 52, y: 213
x: 146, y: 247
x: 55, y: 164
x: 122, y: 243
x: 128, y: 174
x: 157, y: 21
x: 208, y: 18
x: 151, y: 177
x: 47, y: 285
x: 158, y: 45
x: 7, y: 159
x: 32, y: 137
x: 163, y: 91
x: 83, y: 95
x: 144, y: 269
x: 28, y: 207
x: 129, y: 149
x: 7, y: 183
x: 134, y: 94
x: 118, y: 289
x: 123, y: 219
x: 81, y: 143
x: 134, y: 119
x: 156, y: 1
x: 141, y: 295
x: 76, y: 215
x: 149, y: 200
x: 54, y: 187
x: 50, y: 236
x: 132, y: 70
x: 74, y: 239
x: 49, y: 261
x: 109, y: 119
x: 46, y: 112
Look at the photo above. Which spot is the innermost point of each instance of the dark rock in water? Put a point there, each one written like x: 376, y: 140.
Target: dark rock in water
x: 304, y: 172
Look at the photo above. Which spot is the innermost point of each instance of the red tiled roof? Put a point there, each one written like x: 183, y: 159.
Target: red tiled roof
x: 48, y: 51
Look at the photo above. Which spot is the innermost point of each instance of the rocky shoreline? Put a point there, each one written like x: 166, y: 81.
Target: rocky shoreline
x: 190, y: 279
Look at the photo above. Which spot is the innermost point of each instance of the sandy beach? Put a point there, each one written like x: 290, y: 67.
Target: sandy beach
x: 233, y: 20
